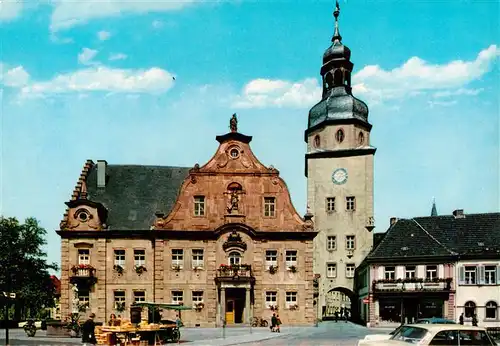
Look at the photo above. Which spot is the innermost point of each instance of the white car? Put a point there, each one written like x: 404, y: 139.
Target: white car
x: 433, y: 320
x: 436, y: 334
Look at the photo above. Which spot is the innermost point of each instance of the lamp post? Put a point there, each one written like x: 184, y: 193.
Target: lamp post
x: 8, y: 297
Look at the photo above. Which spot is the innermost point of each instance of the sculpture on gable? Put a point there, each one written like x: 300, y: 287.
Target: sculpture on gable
x: 233, y: 123
x: 233, y: 202
x: 234, y: 240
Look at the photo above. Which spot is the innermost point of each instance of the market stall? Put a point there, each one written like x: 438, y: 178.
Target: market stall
x: 153, y: 331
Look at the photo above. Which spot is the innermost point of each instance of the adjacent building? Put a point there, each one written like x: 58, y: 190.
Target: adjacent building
x: 437, y: 266
x: 222, y: 237
x: 339, y: 171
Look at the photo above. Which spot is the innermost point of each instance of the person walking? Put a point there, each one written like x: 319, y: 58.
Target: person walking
x: 336, y: 316
x: 273, y: 323
x: 278, y: 323
x: 474, y: 320
x: 88, y: 331
x: 461, y: 319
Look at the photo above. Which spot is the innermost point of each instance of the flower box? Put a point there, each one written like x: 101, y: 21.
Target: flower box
x: 140, y: 269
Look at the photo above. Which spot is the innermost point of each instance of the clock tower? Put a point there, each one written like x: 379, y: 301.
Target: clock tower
x: 339, y: 171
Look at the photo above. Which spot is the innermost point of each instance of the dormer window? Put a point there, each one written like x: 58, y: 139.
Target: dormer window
x: 82, y: 215
x: 339, y: 136
x: 199, y: 206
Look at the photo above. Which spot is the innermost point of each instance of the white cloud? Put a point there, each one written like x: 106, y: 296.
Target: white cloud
x: 69, y: 13
x: 86, y: 56
x: 415, y: 77
x: 433, y: 104
x: 117, y: 56
x: 10, y: 9
x: 103, y: 35
x: 157, y: 24
x: 103, y: 79
x: 13, y: 77
x: 261, y: 93
x: 60, y: 40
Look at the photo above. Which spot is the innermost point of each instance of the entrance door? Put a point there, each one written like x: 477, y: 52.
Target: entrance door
x: 230, y: 311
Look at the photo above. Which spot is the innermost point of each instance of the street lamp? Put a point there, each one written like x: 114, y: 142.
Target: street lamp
x: 8, y: 296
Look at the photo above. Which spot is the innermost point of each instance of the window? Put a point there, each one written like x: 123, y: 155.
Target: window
x: 331, y: 270
x: 470, y: 309
x: 410, y: 272
x: 271, y: 258
x: 199, y: 205
x: 349, y: 270
x: 491, y: 310
x: 350, y: 203
x: 269, y: 206
x: 431, y: 272
x: 84, y: 300
x: 291, y: 299
x: 234, y: 258
x: 177, y: 297
x: 390, y: 273
x: 139, y: 257
x: 120, y: 258
x: 83, y: 256
x: 339, y: 136
x: 198, y: 258
x: 331, y: 242
x: 490, y: 277
x: 119, y: 298
x: 178, y: 258
x: 330, y: 204
x: 271, y: 299
x: 139, y: 296
x: 197, y: 297
x: 234, y: 153
x: 291, y: 258
x: 445, y: 337
x: 350, y: 243
x: 317, y: 141
x: 470, y: 275
x: 361, y: 138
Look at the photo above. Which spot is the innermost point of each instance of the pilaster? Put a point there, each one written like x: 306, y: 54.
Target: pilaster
x: 159, y: 275
x: 65, y: 286
x: 101, y: 308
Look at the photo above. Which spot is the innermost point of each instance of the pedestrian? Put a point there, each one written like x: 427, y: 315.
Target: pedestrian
x: 278, y: 323
x: 178, y: 321
x: 112, y: 320
x: 474, y: 320
x: 88, y: 331
x: 273, y: 323
x: 461, y: 319
x: 336, y: 316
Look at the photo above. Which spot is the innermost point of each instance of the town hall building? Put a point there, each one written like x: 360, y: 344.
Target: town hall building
x: 222, y: 238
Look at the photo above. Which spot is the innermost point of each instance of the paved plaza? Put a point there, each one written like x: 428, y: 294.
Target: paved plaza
x: 327, y: 333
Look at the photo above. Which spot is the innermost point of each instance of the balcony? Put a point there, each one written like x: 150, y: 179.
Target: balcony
x: 240, y: 273
x: 83, y: 275
x: 412, y: 285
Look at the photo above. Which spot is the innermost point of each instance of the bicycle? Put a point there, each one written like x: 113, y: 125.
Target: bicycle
x: 259, y: 322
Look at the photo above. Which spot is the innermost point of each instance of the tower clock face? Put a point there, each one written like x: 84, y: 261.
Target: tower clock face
x: 339, y: 176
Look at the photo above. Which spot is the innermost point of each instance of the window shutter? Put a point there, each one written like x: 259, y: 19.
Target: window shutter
x: 461, y: 275
x: 498, y: 274
x: 481, y: 274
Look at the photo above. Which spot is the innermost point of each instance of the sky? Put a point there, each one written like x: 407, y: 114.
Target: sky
x: 153, y: 83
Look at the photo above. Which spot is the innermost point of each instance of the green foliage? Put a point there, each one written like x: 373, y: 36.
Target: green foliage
x: 25, y: 270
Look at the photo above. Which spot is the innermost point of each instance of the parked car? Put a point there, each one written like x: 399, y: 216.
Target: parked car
x: 432, y: 320
x: 437, y: 334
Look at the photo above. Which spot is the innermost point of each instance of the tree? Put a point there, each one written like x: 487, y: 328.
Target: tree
x: 25, y: 270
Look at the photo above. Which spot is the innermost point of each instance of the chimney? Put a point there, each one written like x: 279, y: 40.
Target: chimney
x: 101, y: 173
x: 394, y: 220
x: 459, y: 213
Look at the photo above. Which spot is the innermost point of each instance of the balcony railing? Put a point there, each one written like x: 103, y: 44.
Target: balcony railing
x: 83, y: 274
x: 398, y: 285
x: 241, y: 272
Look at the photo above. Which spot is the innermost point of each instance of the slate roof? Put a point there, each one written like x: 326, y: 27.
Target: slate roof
x: 134, y: 193
x: 475, y: 235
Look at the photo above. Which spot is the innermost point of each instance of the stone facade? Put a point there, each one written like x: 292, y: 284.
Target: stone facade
x: 231, y: 245
x: 339, y: 170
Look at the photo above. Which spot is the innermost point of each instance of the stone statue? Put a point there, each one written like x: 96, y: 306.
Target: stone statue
x: 233, y: 123
x: 233, y: 202
x: 76, y: 300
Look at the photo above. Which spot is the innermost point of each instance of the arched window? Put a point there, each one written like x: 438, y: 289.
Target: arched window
x: 339, y: 136
x: 329, y: 80
x: 317, y: 141
x: 337, y: 78
x: 470, y: 309
x: 361, y: 138
x: 234, y: 258
x: 491, y: 310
